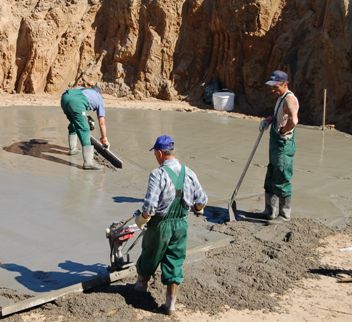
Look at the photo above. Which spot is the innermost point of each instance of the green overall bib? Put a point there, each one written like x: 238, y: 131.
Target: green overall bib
x: 75, y: 104
x: 280, y: 167
x: 165, y: 239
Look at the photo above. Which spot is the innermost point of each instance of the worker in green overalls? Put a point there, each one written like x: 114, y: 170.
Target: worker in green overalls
x: 173, y: 189
x: 282, y: 147
x: 76, y: 103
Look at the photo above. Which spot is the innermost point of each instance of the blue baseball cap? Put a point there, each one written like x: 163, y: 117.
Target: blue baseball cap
x: 277, y: 77
x: 164, y: 143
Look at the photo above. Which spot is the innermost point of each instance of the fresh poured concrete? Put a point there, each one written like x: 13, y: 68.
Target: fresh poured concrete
x: 54, y: 214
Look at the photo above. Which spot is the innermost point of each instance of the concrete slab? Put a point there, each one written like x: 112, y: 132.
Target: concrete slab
x: 54, y: 214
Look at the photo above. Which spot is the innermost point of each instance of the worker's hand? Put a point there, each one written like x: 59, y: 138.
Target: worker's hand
x: 140, y: 220
x: 282, y: 134
x: 91, y: 122
x: 264, y: 124
x: 197, y: 212
x: 104, y: 141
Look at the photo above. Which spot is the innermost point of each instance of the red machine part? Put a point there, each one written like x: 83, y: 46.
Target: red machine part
x: 124, y: 233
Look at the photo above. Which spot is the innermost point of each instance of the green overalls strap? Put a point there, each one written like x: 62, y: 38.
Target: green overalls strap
x: 280, y: 167
x: 75, y: 105
x: 165, y: 240
x: 176, y: 209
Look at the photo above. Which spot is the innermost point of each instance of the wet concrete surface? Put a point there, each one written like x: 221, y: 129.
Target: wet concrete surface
x: 54, y: 214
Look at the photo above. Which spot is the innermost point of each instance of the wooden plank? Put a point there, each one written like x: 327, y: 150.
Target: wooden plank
x: 344, y: 278
x: 324, y: 109
x: 105, y: 153
x: 76, y: 288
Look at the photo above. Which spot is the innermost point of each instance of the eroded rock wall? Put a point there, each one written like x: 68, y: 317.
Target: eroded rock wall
x: 169, y: 49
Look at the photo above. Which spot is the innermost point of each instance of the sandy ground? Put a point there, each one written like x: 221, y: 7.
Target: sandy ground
x: 114, y: 102
x: 290, y: 276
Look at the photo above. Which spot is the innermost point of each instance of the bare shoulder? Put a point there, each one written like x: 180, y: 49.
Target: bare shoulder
x: 291, y: 103
x: 291, y: 98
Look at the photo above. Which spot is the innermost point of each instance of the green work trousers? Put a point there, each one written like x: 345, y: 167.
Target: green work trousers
x: 75, y: 106
x: 280, y: 167
x: 165, y: 240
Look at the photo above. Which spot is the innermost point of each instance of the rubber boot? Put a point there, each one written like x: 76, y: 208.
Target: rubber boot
x: 170, y: 301
x: 285, y: 208
x: 141, y: 284
x: 88, y: 158
x: 72, y: 144
x: 270, y: 212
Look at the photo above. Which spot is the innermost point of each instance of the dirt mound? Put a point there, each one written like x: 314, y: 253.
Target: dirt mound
x: 260, y: 264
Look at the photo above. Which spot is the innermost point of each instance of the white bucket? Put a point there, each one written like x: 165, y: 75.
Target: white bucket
x: 223, y: 101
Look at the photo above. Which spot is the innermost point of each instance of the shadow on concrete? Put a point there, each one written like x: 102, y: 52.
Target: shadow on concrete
x: 41, y: 281
x: 122, y: 199
x: 39, y: 148
x: 253, y: 217
x: 220, y: 215
x: 216, y: 215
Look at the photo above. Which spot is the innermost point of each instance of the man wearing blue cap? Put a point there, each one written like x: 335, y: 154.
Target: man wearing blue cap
x: 282, y: 147
x: 76, y: 103
x: 173, y: 189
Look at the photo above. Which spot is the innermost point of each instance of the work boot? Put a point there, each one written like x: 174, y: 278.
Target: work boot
x: 285, y: 208
x: 170, y: 302
x: 270, y: 211
x: 72, y: 144
x: 141, y: 284
x: 88, y: 158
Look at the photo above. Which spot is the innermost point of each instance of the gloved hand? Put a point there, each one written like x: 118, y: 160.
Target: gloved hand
x: 197, y: 212
x: 140, y: 220
x: 264, y: 124
x: 91, y: 122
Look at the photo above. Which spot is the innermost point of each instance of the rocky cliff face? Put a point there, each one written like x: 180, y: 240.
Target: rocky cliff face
x: 169, y: 49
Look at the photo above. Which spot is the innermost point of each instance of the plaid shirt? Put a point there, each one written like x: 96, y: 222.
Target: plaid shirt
x: 161, y: 191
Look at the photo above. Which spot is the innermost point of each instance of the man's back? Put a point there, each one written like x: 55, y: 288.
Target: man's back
x: 161, y: 191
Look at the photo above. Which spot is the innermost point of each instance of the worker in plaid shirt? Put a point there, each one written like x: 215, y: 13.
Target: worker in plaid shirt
x: 173, y: 189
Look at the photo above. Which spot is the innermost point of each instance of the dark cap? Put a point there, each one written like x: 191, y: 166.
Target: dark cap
x: 277, y: 77
x: 164, y: 143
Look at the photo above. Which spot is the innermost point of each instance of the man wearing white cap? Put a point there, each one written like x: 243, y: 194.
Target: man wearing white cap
x: 282, y: 147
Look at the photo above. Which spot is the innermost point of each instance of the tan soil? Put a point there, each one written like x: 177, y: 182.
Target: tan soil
x: 113, y: 102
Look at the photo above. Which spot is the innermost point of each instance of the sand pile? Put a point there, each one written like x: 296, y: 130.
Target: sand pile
x: 259, y: 265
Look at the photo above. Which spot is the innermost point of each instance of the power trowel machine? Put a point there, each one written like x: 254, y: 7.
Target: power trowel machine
x: 119, y: 233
